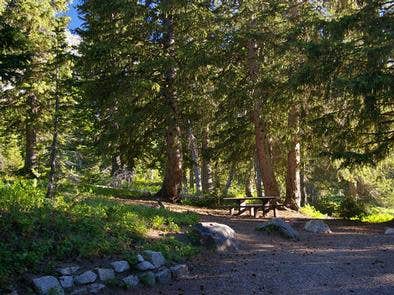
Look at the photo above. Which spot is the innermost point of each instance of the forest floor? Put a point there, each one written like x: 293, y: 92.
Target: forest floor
x: 357, y: 258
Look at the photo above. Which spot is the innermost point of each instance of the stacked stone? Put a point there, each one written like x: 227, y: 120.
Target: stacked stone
x: 150, y: 269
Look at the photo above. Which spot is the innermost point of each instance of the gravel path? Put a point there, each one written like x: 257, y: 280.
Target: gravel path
x: 355, y: 259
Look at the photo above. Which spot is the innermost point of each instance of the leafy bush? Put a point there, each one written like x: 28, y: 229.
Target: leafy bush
x: 312, y: 212
x: 37, y: 231
x: 351, y: 208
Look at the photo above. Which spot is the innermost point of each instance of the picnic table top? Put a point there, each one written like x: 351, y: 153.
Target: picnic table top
x: 254, y: 198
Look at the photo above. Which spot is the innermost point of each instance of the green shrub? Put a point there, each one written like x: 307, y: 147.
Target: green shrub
x: 312, y: 212
x: 36, y: 230
x: 352, y: 208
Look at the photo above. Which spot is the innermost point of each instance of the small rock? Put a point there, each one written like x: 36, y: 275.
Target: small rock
x: 278, y: 224
x: 156, y: 258
x: 69, y: 270
x: 179, y: 271
x: 80, y: 291
x: 140, y: 258
x: 120, y: 266
x: 106, y: 274
x: 317, y: 227
x: 218, y: 236
x: 131, y: 281
x: 66, y: 281
x: 148, y: 278
x: 86, y: 278
x: 95, y: 288
x: 389, y: 231
x: 48, y: 285
x: 163, y: 276
x: 145, y: 265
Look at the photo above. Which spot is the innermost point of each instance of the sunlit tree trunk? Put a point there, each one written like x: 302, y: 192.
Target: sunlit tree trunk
x: 264, y: 157
x: 293, y: 181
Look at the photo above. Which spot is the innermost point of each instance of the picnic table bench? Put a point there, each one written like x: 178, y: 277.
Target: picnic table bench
x: 262, y: 203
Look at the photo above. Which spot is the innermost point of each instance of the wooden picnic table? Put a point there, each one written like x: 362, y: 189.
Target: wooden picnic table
x: 266, y: 204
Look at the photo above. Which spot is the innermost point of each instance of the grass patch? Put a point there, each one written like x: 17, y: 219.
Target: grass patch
x: 310, y: 211
x: 36, y: 231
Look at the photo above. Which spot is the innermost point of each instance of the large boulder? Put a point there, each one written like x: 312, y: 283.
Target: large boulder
x: 217, y: 236
x: 48, y: 285
x: 317, y: 226
x: 66, y: 281
x: 279, y: 225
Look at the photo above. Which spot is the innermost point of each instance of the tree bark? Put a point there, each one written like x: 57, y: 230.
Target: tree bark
x: 293, y: 181
x: 194, y: 154
x: 172, y: 183
x: 51, y: 189
x: 264, y: 157
x: 258, y: 178
x: 304, y: 196
x: 206, y: 172
x: 31, y: 136
x: 229, y: 180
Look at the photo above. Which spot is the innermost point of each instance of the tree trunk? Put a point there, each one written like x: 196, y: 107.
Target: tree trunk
x: 264, y: 157
x: 115, y: 165
x: 248, y: 186
x: 31, y: 136
x: 191, y: 179
x: 206, y: 172
x: 51, y: 189
x: 229, y: 180
x: 194, y: 154
x: 258, y: 179
x: 172, y: 183
x: 293, y: 182
x: 304, y: 196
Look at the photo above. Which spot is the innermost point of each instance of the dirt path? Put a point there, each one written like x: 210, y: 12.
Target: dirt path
x: 355, y: 259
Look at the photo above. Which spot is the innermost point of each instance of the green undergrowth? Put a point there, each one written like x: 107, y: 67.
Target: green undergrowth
x: 36, y: 231
x: 310, y: 211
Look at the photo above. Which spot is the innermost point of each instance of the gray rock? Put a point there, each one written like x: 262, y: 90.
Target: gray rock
x: 131, y: 281
x: 106, y: 274
x: 69, y: 270
x: 66, y: 281
x: 179, y: 271
x: 278, y: 224
x: 389, y: 231
x: 156, y: 258
x: 86, y: 278
x: 48, y: 285
x: 145, y: 265
x: 140, y: 258
x: 120, y: 266
x: 216, y: 236
x: 148, y: 278
x: 80, y: 291
x: 95, y: 288
x: 317, y: 226
x: 163, y: 276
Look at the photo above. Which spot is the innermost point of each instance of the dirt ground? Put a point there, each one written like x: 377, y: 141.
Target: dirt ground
x: 355, y: 259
